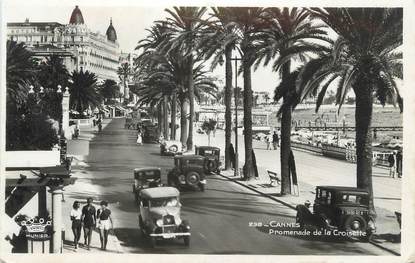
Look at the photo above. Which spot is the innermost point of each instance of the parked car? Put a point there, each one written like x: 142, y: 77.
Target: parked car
x: 189, y: 170
x: 213, y: 155
x: 145, y: 178
x: 342, y: 208
x: 160, y: 215
x: 171, y: 147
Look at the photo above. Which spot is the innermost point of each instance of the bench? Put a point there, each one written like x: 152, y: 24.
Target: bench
x: 273, y: 176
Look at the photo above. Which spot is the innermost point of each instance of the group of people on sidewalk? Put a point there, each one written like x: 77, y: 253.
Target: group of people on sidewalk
x: 89, y: 218
x: 395, y: 164
x: 97, y: 121
x: 274, y: 139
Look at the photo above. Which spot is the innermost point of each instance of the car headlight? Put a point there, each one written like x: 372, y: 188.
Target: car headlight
x: 159, y: 222
x: 178, y: 220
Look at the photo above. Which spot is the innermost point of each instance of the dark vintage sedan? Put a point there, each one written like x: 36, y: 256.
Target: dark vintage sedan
x: 341, y: 208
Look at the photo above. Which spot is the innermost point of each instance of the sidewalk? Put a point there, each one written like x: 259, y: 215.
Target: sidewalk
x: 386, y: 223
x: 79, y: 191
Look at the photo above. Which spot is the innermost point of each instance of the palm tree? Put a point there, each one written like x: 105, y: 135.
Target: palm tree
x: 184, y: 29
x: 51, y: 74
x: 248, y: 22
x: 289, y: 31
x: 124, y: 72
x: 83, y: 90
x: 109, y: 90
x: 219, y: 40
x: 364, y: 60
x: 20, y: 74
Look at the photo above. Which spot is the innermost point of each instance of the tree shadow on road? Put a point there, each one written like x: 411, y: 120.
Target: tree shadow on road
x: 137, y: 243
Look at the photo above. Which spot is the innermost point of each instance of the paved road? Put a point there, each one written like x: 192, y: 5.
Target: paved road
x: 219, y: 217
x: 314, y: 169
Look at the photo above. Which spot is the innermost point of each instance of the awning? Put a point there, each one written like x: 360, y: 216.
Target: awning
x: 55, y: 171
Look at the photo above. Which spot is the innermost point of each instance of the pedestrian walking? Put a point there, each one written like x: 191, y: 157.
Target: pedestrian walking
x: 104, y: 223
x: 76, y: 215
x: 392, y: 162
x: 275, y: 140
x: 89, y: 220
x: 268, y: 141
x: 232, y: 155
x: 139, y: 138
x: 399, y: 164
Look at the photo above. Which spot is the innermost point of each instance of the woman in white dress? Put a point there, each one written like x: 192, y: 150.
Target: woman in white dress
x: 76, y: 214
x: 139, y: 138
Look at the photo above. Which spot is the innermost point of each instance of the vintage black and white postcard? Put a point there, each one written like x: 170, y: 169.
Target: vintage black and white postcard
x: 213, y: 131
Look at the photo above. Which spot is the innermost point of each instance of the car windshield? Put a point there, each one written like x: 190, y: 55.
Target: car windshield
x: 162, y: 202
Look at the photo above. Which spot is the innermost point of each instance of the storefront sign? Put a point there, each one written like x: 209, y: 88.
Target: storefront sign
x: 38, y: 229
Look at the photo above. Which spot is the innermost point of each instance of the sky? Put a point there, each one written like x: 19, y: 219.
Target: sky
x: 130, y: 23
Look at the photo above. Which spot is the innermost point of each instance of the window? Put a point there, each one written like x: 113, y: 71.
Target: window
x: 354, y: 199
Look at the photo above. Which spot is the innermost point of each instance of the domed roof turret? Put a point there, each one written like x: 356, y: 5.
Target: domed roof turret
x: 76, y: 17
x: 111, y: 33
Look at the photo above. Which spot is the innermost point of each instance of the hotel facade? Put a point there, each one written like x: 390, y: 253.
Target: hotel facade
x: 78, y: 45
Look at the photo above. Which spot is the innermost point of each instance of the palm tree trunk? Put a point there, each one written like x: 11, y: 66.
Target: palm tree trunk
x: 249, y: 166
x: 159, y: 119
x: 183, y: 121
x: 190, y: 89
x: 228, y: 101
x: 363, y: 117
x: 286, y: 118
x: 173, y: 116
x: 165, y: 117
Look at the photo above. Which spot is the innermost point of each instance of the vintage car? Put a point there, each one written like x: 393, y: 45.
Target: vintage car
x: 145, y: 178
x: 160, y: 215
x: 189, y: 170
x: 342, y: 208
x: 171, y: 147
x: 213, y: 155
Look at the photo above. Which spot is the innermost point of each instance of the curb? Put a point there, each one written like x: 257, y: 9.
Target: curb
x: 293, y: 207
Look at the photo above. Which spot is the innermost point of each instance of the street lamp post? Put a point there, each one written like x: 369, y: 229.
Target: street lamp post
x: 236, y: 171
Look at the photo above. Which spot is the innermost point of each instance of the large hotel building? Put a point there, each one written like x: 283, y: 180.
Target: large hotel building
x: 81, y: 48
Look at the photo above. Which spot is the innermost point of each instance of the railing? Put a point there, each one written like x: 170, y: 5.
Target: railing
x: 307, y: 147
x: 340, y: 153
x: 347, y: 128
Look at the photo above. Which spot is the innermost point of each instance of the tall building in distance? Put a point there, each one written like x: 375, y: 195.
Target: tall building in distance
x: 79, y: 46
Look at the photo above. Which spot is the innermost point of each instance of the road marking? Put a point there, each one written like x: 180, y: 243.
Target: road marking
x: 203, y: 236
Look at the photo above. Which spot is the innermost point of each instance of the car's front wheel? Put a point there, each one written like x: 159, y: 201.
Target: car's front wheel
x: 186, y: 240
x: 192, y: 178
x: 355, y: 223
